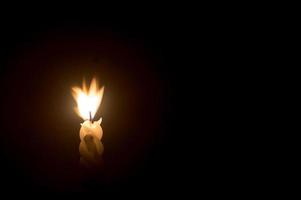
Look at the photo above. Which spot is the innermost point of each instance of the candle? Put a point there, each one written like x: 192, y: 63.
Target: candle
x: 88, y: 101
x: 91, y: 128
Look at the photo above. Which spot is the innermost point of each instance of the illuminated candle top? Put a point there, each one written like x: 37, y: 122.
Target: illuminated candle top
x: 88, y: 100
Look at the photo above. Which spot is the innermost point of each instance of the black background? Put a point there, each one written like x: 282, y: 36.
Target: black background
x: 144, y: 61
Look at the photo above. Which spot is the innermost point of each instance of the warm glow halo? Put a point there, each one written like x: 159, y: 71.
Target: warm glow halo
x: 87, y: 100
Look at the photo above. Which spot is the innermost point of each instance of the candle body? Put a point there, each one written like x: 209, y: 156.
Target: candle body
x: 89, y: 128
x: 91, y: 148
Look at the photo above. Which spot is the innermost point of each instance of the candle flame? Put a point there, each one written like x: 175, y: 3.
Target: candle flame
x: 87, y: 101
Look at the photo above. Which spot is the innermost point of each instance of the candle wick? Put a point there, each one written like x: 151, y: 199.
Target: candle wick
x: 90, y: 114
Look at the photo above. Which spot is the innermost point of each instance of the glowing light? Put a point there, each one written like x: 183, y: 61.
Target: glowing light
x: 88, y: 101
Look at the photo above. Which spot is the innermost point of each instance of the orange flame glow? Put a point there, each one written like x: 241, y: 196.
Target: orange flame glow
x: 87, y: 101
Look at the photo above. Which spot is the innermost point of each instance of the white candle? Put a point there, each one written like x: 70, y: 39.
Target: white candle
x: 91, y: 148
x: 89, y: 128
x: 88, y: 101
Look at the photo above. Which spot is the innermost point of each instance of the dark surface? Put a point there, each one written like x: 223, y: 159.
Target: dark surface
x: 138, y: 59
